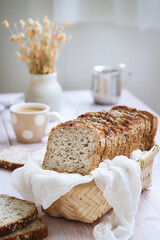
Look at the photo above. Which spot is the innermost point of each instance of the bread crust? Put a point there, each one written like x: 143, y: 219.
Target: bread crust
x: 9, y: 165
x: 38, y: 234
x: 154, y: 125
x: 22, y: 222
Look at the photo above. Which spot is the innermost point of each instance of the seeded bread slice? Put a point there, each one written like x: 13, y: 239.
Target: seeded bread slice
x: 15, y: 214
x: 14, y: 157
x: 130, y: 139
x: 36, y: 230
x: 74, y: 146
x: 110, y: 133
x: 150, y: 121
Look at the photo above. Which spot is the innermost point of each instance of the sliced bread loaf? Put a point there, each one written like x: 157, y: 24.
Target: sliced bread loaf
x: 36, y: 230
x: 14, y: 157
x: 80, y: 145
x: 15, y: 214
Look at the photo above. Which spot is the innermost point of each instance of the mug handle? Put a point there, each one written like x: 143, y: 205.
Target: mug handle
x: 57, y: 116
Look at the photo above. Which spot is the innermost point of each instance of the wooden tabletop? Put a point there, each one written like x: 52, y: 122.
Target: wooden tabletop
x: 75, y: 103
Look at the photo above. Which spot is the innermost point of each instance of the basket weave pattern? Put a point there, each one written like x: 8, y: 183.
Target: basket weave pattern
x: 86, y: 203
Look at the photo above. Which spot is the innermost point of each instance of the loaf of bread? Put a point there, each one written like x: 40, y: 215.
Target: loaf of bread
x: 79, y: 146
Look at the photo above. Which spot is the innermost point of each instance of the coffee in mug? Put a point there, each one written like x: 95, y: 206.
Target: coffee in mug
x: 29, y: 121
x: 27, y: 109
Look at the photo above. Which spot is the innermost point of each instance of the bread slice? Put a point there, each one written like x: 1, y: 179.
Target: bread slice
x: 36, y: 230
x: 131, y: 137
x: 110, y: 132
x: 150, y: 121
x: 75, y: 146
x: 15, y: 214
x: 14, y: 157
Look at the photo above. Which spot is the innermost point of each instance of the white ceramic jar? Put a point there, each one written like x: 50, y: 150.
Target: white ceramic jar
x: 44, y: 88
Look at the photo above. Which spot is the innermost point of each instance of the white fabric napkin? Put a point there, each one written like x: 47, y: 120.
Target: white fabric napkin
x: 119, y: 180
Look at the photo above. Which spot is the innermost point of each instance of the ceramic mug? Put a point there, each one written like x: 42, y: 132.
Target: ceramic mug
x: 29, y: 121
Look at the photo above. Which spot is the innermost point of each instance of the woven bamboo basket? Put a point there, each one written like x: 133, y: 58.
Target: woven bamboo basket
x: 86, y: 203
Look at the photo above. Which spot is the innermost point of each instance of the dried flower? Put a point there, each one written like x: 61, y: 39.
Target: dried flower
x: 62, y: 37
x: 47, y: 24
x: 30, y: 32
x: 39, y: 30
x: 37, y: 24
x: 38, y: 46
x: 46, y: 21
x: 21, y: 37
x: 67, y: 24
x: 47, y: 36
x: 13, y: 38
x: 22, y: 23
x: 55, y: 45
x: 60, y: 29
x: 30, y: 22
x: 5, y: 24
x: 38, y: 27
x: 18, y: 54
x: 33, y: 45
x: 23, y: 48
x: 24, y: 59
x: 46, y: 28
x: 43, y: 42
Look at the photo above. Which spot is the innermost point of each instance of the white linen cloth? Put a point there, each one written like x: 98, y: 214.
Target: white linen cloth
x: 119, y: 180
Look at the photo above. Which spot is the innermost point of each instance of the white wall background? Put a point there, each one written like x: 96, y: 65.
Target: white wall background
x: 104, y: 32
